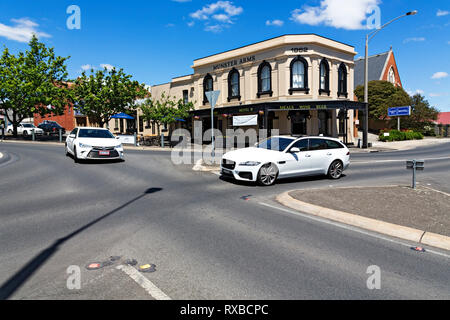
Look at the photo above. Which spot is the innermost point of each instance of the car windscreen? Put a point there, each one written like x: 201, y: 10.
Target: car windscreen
x: 275, y: 143
x: 28, y: 125
x: 95, y: 133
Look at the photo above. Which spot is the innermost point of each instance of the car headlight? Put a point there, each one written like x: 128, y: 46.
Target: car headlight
x: 84, y: 146
x: 120, y: 146
x: 250, y: 163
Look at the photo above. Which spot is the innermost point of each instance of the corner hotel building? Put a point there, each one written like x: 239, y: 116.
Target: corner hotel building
x: 299, y: 84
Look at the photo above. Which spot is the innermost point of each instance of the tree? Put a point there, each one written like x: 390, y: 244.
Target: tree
x: 34, y: 82
x: 166, y: 110
x: 422, y: 115
x: 383, y: 95
x: 105, y: 93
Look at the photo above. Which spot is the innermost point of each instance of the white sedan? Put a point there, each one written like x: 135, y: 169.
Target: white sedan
x: 93, y: 144
x: 25, y: 129
x: 284, y: 157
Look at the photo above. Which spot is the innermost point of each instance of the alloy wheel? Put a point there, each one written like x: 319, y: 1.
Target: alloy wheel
x: 268, y: 174
x: 336, y: 170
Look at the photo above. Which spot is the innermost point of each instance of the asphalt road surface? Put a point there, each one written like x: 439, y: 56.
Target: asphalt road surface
x: 209, y: 238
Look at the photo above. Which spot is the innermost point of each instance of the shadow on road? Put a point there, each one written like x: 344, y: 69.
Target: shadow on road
x: 280, y: 181
x: 16, y: 281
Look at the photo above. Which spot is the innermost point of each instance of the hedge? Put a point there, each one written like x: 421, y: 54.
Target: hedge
x: 395, y: 135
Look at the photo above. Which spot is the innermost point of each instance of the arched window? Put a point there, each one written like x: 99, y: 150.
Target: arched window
x: 342, y: 81
x: 324, y: 85
x: 207, y: 86
x: 264, y: 79
x: 299, y: 75
x: 391, y: 76
x: 234, y: 91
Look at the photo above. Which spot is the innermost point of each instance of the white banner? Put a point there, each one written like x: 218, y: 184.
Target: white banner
x: 242, y: 121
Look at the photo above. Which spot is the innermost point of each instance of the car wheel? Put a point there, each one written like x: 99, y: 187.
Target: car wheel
x: 75, y: 158
x: 10, y: 131
x: 25, y: 134
x: 268, y: 174
x: 336, y: 169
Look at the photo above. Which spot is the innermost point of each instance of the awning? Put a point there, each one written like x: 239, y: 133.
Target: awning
x: 122, y: 116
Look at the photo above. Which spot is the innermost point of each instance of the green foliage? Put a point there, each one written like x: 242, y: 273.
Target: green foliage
x: 395, y: 135
x: 165, y: 110
x: 382, y: 96
x: 422, y: 116
x: 105, y: 93
x: 32, y: 80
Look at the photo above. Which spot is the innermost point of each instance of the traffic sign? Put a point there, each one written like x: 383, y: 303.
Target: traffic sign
x: 399, y: 111
x: 212, y: 97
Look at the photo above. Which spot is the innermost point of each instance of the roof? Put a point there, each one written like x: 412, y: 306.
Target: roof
x: 376, y: 68
x: 443, y: 118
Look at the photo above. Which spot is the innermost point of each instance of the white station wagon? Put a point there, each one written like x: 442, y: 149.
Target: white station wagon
x: 285, y: 157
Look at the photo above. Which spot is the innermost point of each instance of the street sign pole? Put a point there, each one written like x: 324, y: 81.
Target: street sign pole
x: 212, y: 97
x: 398, y: 123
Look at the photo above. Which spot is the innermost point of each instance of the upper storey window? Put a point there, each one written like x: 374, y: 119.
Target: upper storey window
x: 342, y: 81
x: 207, y: 86
x: 265, y: 79
x: 234, y: 91
x: 299, y: 75
x: 324, y: 86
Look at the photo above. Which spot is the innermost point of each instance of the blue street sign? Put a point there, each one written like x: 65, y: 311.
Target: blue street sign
x: 399, y: 111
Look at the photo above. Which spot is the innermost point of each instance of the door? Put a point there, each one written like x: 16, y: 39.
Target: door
x: 70, y: 141
x: 295, y: 163
x: 319, y: 155
x: 298, y: 122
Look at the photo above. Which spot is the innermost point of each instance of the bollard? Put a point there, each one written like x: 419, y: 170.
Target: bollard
x: 415, y: 165
x: 33, y: 137
x: 135, y: 139
x: 162, y: 139
x: 60, y: 135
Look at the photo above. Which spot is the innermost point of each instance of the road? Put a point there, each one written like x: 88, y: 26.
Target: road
x: 209, y: 238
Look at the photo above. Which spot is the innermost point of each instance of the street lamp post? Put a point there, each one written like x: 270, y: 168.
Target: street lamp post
x: 366, y: 76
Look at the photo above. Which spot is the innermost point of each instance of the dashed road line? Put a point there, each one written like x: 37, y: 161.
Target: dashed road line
x: 146, y: 284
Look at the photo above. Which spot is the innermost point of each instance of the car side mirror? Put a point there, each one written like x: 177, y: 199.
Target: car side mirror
x: 117, y: 138
x: 72, y: 136
x: 295, y: 150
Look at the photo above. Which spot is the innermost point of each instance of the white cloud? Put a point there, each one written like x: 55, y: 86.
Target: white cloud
x: 220, y: 11
x: 440, y: 75
x: 22, y: 30
x: 107, y: 66
x: 276, y: 23
x: 349, y: 14
x: 441, y: 13
x: 87, y: 67
x: 191, y: 24
x: 418, y: 91
x: 419, y: 39
x: 437, y: 94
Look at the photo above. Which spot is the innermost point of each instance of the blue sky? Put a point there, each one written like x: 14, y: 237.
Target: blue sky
x: 157, y: 40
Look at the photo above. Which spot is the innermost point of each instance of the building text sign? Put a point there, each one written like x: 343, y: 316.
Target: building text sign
x: 233, y: 63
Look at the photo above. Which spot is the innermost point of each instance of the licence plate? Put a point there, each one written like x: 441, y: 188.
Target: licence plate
x: 103, y: 153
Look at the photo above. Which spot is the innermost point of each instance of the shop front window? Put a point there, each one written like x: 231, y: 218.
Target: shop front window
x: 342, y: 81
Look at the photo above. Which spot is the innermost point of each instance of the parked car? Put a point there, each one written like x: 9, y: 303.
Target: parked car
x: 93, y: 144
x: 25, y: 129
x: 51, y: 127
x: 284, y: 157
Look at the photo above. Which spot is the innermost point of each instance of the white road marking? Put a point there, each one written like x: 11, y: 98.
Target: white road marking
x: 146, y: 284
x: 396, y: 160
x: 1, y: 155
x: 343, y: 226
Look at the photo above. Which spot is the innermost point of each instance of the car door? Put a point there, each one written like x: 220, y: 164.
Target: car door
x: 71, y: 139
x: 319, y: 155
x: 295, y: 163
